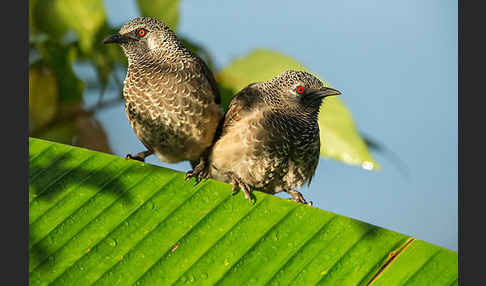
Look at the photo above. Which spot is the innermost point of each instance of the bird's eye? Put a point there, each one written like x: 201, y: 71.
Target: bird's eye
x: 300, y: 89
x: 141, y: 32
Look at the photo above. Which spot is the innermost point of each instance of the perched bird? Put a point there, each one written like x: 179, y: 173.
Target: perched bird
x: 171, y: 97
x: 269, y: 137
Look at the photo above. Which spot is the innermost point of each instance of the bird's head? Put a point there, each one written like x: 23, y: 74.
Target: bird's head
x: 300, y: 90
x: 143, y: 38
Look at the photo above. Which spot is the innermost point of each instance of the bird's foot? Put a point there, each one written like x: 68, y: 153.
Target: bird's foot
x: 298, y: 197
x: 201, y: 171
x: 139, y: 156
x: 245, y: 188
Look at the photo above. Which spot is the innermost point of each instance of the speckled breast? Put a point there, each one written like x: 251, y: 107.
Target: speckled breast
x: 172, y: 111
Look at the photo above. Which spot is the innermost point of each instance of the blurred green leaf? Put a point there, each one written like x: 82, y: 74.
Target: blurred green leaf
x: 56, y: 17
x: 61, y: 133
x: 227, y: 92
x: 258, y: 65
x: 32, y: 4
x: 62, y: 32
x: 43, y: 97
x: 106, y: 56
x: 60, y: 59
x: 45, y: 16
x: 164, y: 10
x: 339, y: 138
x: 82, y: 130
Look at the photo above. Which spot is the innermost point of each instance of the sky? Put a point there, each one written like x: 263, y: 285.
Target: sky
x: 395, y: 63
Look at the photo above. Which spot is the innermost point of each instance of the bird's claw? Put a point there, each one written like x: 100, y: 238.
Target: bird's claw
x: 243, y: 187
x: 191, y: 174
x: 136, y: 157
x: 298, y: 197
x: 234, y: 189
x: 200, y: 172
x: 140, y: 156
x: 304, y: 202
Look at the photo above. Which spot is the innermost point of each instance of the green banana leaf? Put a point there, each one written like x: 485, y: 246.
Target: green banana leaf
x: 99, y: 219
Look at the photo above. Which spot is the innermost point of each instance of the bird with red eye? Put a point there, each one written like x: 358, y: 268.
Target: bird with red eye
x: 300, y: 89
x: 141, y: 32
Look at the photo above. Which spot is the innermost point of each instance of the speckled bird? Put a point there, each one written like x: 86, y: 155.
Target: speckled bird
x: 171, y: 97
x: 269, y: 138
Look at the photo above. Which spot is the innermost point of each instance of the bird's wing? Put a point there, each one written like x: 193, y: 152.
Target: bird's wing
x: 241, y: 102
x: 170, y: 80
x: 209, y: 76
x: 214, y: 86
x: 172, y: 94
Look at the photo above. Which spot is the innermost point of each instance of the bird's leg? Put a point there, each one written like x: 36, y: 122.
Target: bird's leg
x: 245, y: 188
x: 298, y: 197
x: 200, y: 171
x: 140, y: 156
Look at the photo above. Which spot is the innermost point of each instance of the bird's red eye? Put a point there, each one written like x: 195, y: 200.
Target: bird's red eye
x: 141, y: 32
x: 300, y: 89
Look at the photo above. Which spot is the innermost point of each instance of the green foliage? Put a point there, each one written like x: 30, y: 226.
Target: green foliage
x: 339, y: 137
x: 42, y: 98
x: 60, y: 59
x: 164, y: 10
x: 97, y: 219
x: 107, y: 56
x: 63, y: 33
x: 56, y: 17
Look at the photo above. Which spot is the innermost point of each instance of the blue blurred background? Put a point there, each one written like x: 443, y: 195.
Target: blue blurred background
x: 396, y: 65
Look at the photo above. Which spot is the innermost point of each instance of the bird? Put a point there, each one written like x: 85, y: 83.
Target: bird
x: 269, y: 136
x: 172, y: 100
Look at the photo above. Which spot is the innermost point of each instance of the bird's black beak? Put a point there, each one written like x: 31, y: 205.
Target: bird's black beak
x: 325, y: 92
x: 116, y: 38
x: 317, y: 95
